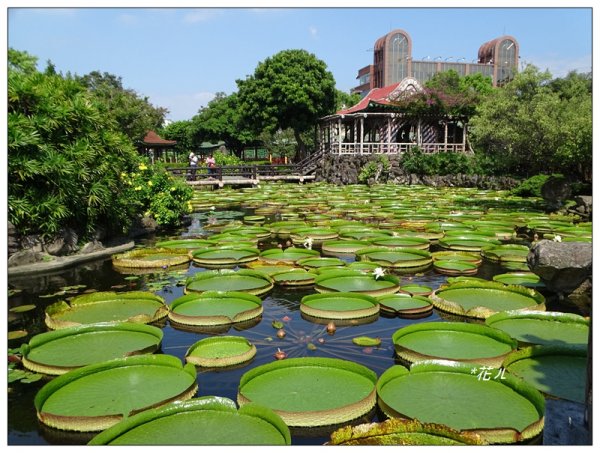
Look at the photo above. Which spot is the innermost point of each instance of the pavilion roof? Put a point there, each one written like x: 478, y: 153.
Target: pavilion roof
x: 152, y: 138
x: 377, y: 96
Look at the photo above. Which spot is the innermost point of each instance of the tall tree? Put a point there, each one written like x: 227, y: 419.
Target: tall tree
x: 291, y: 89
x: 134, y: 114
x: 181, y: 131
x: 345, y: 100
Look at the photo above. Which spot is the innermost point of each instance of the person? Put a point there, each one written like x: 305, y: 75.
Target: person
x: 210, y: 163
x: 193, y: 165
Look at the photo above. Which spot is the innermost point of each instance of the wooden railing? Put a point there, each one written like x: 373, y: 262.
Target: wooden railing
x: 390, y: 148
x: 251, y: 172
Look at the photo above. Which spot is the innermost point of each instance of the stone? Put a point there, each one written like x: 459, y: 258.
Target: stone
x: 12, y: 243
x: 64, y: 243
x: 555, y: 191
x: 90, y: 247
x: 27, y: 256
x: 562, y: 266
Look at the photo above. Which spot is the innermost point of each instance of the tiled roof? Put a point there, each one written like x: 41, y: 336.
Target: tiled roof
x: 375, y: 96
x: 152, y: 138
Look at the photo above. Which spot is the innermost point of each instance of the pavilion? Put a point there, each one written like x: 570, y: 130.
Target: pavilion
x: 157, y: 148
x: 377, y: 126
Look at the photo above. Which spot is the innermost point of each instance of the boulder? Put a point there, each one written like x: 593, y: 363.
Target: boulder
x: 90, y: 247
x: 27, y: 256
x: 64, y: 243
x: 555, y: 191
x: 12, y: 239
x: 562, y: 266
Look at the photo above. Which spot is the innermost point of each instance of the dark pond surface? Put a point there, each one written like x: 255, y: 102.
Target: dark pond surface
x: 23, y: 427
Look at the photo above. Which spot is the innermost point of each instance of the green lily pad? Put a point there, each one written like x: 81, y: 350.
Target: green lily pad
x: 459, y: 341
x: 455, y: 267
x: 528, y: 279
x: 415, y: 289
x: 455, y: 255
x: 244, y: 280
x: 405, y: 305
x: 404, y: 258
x: 501, y: 409
x: 366, y: 341
x: 106, y: 306
x: 396, y: 431
x: 153, y: 257
x: 319, y: 262
x: 290, y: 255
x: 339, y: 305
x: 209, y: 420
x: 294, y: 277
x: 66, y: 349
x: 402, y: 242
x: 558, y: 371
x: 310, y: 392
x: 343, y: 280
x: 469, y: 244
x: 343, y: 246
x: 22, y: 308
x: 542, y: 328
x: 213, y: 308
x: 224, y: 255
x: 95, y: 397
x: 220, y: 352
x: 190, y: 244
x: 16, y: 334
x: 506, y: 253
x: 482, y: 299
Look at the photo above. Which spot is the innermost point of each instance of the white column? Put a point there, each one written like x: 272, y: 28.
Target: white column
x: 389, y: 132
x: 445, y: 135
x: 340, y: 135
x: 362, y: 132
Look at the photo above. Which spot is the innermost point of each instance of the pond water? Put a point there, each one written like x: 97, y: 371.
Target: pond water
x: 280, y: 303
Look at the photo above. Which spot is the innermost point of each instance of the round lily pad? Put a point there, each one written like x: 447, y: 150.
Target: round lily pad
x: 396, y: 431
x: 469, y: 244
x: 219, y: 352
x: 500, y: 408
x: 542, y: 328
x: 209, y: 420
x: 319, y: 262
x: 558, y: 371
x: 402, y: 242
x: 225, y: 255
x: 455, y: 267
x: 482, y: 299
x: 356, y: 281
x: 405, y: 305
x: 415, y: 289
x: 153, y: 257
x: 343, y: 246
x: 63, y: 350
x: 244, y: 280
x: 506, y: 253
x: 294, y: 277
x: 455, y: 255
x: 97, y: 396
x: 190, y: 244
x: 214, y: 308
x: 106, y: 306
x: 459, y: 341
x: 339, y: 305
x: 290, y: 255
x: 528, y: 279
x: 404, y: 258
x: 311, y: 392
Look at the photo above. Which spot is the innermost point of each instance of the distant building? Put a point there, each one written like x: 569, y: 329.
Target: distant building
x: 393, y: 62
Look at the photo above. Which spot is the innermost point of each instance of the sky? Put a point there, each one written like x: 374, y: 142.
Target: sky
x: 180, y: 57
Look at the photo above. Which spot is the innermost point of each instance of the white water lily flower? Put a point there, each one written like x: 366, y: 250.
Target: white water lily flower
x: 378, y: 272
x: 557, y: 238
x: 212, y: 208
x: 308, y: 242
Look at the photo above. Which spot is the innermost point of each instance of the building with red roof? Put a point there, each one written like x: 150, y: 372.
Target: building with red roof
x: 157, y: 148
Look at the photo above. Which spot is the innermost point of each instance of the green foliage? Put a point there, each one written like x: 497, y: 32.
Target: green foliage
x: 531, y: 187
x: 417, y: 162
x: 135, y: 115
x: 279, y: 143
x: 181, y: 131
x: 154, y: 190
x: 291, y: 89
x: 536, y: 125
x: 19, y: 61
x: 377, y: 170
x: 227, y: 159
x: 345, y: 100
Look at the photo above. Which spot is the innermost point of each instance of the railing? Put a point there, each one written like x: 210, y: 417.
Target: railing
x: 250, y: 172
x: 390, y: 148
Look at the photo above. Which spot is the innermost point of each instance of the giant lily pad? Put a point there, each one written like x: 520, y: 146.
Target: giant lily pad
x: 63, y: 350
x: 482, y: 299
x: 106, y: 306
x: 186, y: 243
x: 209, y: 420
x: 543, y: 328
x: 310, y: 392
x: 455, y: 255
x: 219, y: 352
x: 154, y: 257
x: 396, y: 431
x: 225, y: 255
x: 97, y: 396
x: 405, y: 305
x: 290, y: 255
x: 459, y: 341
x: 501, y: 409
x: 244, y: 280
x: 316, y: 234
x: 506, y: 253
x: 339, y: 305
x: 355, y: 281
x: 401, y: 258
x: 559, y: 371
x: 467, y: 244
x: 214, y: 308
x: 402, y: 242
x: 343, y: 246
x: 455, y: 267
x: 294, y: 277
x: 320, y: 262
x: 528, y: 279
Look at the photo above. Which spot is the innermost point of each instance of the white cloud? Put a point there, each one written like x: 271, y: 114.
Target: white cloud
x: 182, y: 106
x: 560, y: 67
x: 313, y: 32
x: 201, y: 15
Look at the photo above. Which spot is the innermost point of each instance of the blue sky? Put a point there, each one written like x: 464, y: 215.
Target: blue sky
x: 180, y: 57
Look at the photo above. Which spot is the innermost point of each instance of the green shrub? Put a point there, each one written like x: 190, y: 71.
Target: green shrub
x: 532, y: 187
x: 378, y: 169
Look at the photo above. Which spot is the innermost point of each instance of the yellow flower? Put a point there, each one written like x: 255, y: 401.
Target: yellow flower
x: 123, y: 175
x: 150, y: 183
x: 143, y: 167
x: 173, y: 188
x: 138, y: 188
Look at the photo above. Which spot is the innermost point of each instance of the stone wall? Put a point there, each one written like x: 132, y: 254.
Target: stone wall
x: 343, y: 170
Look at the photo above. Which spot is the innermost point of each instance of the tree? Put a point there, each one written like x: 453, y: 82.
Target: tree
x: 345, y: 100
x: 221, y: 120
x: 291, y: 89
x: 181, y: 131
x: 20, y: 61
x: 531, y: 126
x: 135, y: 115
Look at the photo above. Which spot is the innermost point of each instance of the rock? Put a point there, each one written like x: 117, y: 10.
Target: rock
x: 562, y: 266
x: 12, y: 239
x: 27, y: 256
x: 90, y: 247
x: 32, y: 242
x: 64, y: 243
x: 143, y: 226
x: 555, y: 191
